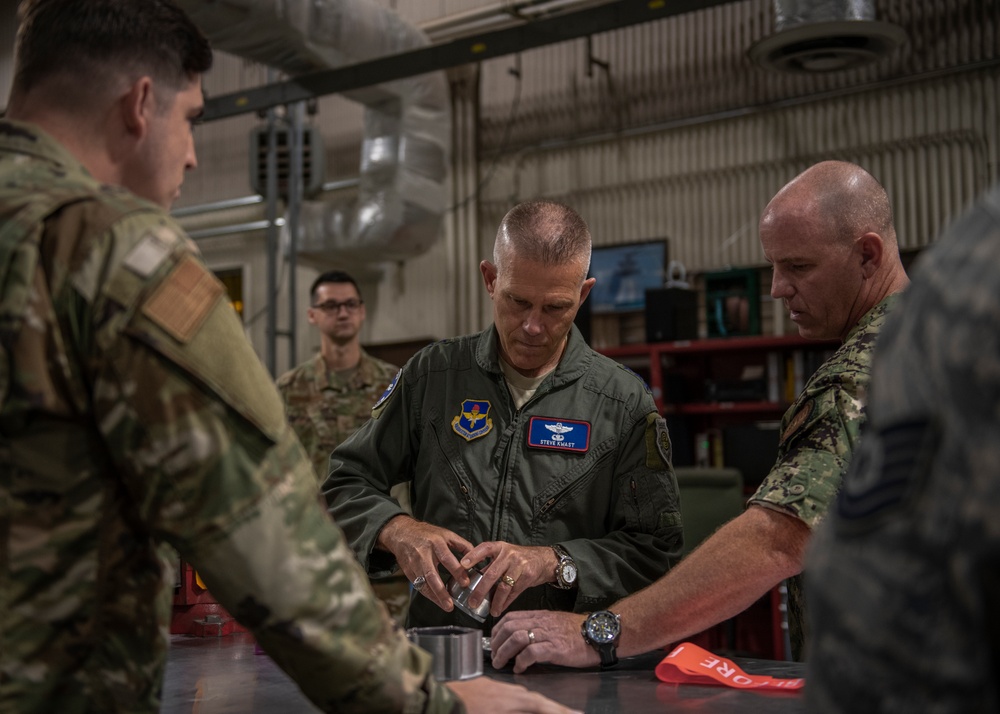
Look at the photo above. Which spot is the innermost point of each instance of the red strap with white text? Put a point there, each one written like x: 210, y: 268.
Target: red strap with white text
x: 691, y: 664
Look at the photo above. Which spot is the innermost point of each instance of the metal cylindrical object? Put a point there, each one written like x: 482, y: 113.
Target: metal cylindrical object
x: 460, y: 596
x: 457, y: 651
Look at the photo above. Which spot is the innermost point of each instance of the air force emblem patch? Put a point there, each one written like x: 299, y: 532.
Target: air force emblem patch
x: 474, y: 421
x: 388, y: 390
x: 559, y: 434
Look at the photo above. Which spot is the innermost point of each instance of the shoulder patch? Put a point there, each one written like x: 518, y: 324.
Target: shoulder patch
x: 800, y: 418
x: 387, y: 393
x: 180, y: 304
x: 657, y: 442
x: 147, y: 255
x: 888, y: 470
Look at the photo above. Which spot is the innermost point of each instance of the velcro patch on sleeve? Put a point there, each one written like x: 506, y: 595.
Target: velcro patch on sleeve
x: 149, y: 253
x: 796, y: 422
x: 889, y: 469
x: 657, y: 442
x: 184, y: 299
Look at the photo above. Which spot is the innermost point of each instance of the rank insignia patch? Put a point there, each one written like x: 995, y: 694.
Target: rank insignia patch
x: 474, y: 421
x: 559, y: 434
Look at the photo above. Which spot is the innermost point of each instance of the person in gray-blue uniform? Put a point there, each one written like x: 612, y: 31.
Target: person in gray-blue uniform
x: 904, y: 580
x: 531, y: 455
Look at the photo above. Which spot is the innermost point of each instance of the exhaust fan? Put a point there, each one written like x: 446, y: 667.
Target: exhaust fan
x: 824, y: 36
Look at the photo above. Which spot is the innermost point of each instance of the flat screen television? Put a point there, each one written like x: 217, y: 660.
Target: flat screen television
x: 624, y: 272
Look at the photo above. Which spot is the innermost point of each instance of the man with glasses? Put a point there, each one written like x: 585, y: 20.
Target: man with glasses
x: 329, y: 396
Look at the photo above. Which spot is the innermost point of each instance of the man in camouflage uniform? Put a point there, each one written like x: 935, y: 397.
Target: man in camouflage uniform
x: 328, y: 397
x: 904, y: 577
x: 134, y: 413
x: 830, y: 238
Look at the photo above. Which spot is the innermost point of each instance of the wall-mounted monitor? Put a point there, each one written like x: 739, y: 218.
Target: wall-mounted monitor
x: 624, y: 272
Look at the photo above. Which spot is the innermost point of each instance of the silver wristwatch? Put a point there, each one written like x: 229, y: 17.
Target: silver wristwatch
x: 565, y: 570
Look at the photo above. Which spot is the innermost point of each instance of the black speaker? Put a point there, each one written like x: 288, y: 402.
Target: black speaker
x: 671, y: 314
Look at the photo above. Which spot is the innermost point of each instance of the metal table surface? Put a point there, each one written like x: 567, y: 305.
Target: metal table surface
x: 224, y: 676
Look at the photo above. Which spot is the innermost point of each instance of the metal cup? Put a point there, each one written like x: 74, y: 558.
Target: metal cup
x: 460, y: 596
x: 457, y: 651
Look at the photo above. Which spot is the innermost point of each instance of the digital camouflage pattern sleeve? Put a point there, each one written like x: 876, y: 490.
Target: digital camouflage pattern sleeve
x: 904, y: 576
x: 819, y: 434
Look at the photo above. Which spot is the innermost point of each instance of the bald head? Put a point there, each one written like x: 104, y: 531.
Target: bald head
x: 543, y: 232
x: 829, y: 236
x: 841, y: 195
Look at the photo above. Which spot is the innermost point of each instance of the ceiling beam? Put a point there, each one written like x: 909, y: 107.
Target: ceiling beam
x: 474, y: 48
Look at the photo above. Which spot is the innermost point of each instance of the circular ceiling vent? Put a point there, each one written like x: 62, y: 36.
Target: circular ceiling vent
x: 827, y: 46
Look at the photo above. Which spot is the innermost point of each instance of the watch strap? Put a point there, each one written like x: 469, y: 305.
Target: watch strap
x: 609, y: 655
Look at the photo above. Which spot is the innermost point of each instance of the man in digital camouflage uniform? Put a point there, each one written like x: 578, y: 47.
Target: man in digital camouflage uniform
x: 904, y: 577
x: 329, y: 396
x: 517, y: 439
x: 829, y: 237
x: 133, y: 411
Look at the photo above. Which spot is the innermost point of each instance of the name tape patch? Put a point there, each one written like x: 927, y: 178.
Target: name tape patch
x: 558, y: 434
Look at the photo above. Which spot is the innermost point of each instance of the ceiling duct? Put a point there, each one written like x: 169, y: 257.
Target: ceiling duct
x: 813, y: 36
x: 399, y: 208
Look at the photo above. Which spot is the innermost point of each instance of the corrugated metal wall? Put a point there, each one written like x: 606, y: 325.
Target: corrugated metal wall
x: 932, y: 145
x: 681, y: 136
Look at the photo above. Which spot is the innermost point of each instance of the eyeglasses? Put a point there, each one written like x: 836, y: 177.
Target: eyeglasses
x: 334, y: 306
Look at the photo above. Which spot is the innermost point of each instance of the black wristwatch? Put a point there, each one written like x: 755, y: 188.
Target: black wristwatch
x: 601, y: 630
x: 565, y: 570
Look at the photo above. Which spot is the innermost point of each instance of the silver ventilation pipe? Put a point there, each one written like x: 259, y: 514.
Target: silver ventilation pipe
x: 401, y: 197
x: 825, y: 36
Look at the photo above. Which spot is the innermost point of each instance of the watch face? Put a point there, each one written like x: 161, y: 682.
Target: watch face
x: 602, y: 627
x: 568, y: 572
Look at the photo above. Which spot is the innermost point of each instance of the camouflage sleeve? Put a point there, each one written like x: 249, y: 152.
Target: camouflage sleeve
x: 196, y: 427
x: 364, y: 469
x: 817, y: 441
x: 298, y: 400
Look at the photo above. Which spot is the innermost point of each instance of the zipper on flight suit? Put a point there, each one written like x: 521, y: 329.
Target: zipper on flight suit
x: 515, y: 424
x: 458, y: 477
x: 635, y: 500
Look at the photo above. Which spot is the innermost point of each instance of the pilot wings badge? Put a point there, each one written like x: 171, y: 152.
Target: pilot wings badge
x: 474, y: 421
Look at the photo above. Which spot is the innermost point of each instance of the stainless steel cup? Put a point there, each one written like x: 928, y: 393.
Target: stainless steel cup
x: 460, y: 596
x: 457, y: 651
